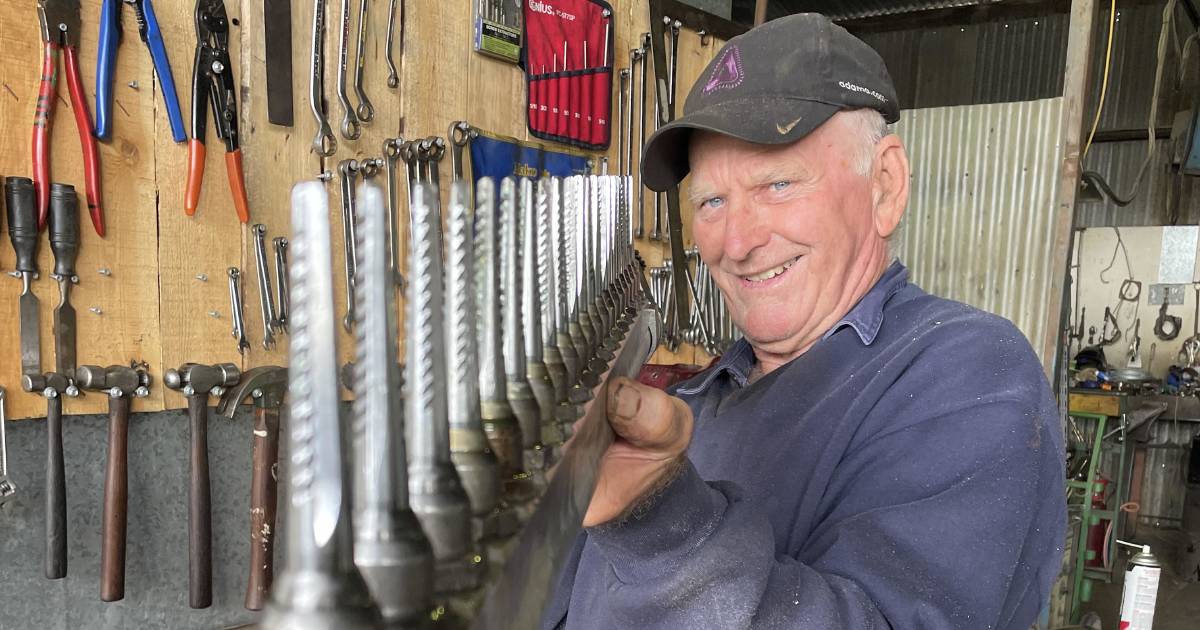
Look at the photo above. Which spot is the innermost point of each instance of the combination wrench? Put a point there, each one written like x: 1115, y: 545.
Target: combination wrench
x: 365, y: 111
x: 235, y: 304
x: 265, y: 298
x: 325, y: 143
x: 349, y: 128
x: 348, y: 170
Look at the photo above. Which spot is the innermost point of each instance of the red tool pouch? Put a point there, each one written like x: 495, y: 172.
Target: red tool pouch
x: 568, y: 59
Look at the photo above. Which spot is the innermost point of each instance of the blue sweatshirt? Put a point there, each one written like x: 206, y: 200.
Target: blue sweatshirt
x: 905, y: 472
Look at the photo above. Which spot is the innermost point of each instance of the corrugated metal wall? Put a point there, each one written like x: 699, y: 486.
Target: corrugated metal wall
x: 980, y: 217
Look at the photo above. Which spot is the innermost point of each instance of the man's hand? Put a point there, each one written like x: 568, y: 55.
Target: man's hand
x: 653, y: 430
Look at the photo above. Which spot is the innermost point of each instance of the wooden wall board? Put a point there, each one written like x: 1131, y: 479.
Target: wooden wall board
x: 153, y: 306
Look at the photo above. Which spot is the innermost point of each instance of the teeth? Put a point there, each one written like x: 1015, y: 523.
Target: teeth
x: 771, y: 273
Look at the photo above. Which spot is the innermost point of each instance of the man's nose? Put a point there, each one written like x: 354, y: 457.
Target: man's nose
x: 745, y: 230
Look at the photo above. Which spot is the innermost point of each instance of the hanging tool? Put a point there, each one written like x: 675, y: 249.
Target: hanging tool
x: 53, y: 386
x: 122, y: 384
x: 389, y: 546
x: 266, y: 386
x: 348, y: 172
x: 393, y: 79
x: 198, y: 382
x: 281, y: 287
x: 277, y: 45
x: 212, y: 82
x: 64, y: 242
x: 1166, y: 327
x: 641, y: 137
x: 266, y: 299
x: 1134, y: 359
x: 106, y: 64
x: 469, y: 448
x: 235, y: 306
x: 350, y: 128
x: 318, y: 587
x: 8, y: 488
x: 520, y: 394
x: 555, y: 367
x: 23, y: 232
x: 325, y: 143
x: 537, y: 373
x: 365, y: 111
x: 391, y: 155
x: 60, y: 31
x: 622, y: 84
x: 460, y: 133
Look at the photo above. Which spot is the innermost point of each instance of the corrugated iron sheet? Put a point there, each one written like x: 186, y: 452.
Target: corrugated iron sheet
x: 1164, y: 486
x: 1118, y: 163
x: 980, y: 216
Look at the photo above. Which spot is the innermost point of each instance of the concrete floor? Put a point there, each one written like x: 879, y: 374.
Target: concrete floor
x: 1178, y: 599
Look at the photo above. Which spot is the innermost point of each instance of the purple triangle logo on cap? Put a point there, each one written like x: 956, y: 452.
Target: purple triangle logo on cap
x: 727, y: 72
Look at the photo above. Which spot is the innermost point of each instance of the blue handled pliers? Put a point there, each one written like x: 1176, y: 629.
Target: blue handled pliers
x: 106, y: 63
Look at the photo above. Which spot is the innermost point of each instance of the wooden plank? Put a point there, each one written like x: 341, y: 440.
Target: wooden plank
x: 196, y: 251
x: 1106, y: 404
x: 124, y: 329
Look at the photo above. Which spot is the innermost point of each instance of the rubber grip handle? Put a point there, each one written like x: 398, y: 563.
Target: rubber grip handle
x: 263, y: 496
x: 195, y: 176
x: 106, y: 64
x: 56, y: 493
x: 64, y: 228
x: 162, y: 67
x: 116, y: 502
x: 22, y: 221
x: 199, y: 507
x: 43, y: 115
x: 237, y: 184
x: 83, y: 121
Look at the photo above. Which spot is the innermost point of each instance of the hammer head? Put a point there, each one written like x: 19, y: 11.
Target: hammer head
x: 270, y: 381
x: 126, y: 380
x: 195, y: 379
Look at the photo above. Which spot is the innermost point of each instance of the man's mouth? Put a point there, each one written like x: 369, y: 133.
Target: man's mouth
x: 771, y: 273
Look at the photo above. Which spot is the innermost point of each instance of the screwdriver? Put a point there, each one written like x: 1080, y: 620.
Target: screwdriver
x: 23, y: 231
x: 64, y: 242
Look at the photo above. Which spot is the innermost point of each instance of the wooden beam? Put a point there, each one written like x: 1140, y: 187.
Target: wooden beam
x: 760, y: 12
x: 1080, y: 45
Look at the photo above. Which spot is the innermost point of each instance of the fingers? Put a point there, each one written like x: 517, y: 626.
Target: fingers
x: 647, y: 417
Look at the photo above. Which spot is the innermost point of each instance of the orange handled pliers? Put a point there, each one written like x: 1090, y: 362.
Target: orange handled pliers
x: 212, y: 82
x: 60, y: 31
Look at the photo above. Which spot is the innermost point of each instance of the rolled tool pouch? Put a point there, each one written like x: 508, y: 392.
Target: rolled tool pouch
x: 568, y: 61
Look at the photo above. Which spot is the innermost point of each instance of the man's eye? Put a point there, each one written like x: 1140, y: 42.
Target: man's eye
x: 713, y: 203
x: 778, y: 186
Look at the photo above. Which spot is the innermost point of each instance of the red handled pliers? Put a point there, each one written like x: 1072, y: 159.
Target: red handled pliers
x: 60, y: 31
x: 212, y: 82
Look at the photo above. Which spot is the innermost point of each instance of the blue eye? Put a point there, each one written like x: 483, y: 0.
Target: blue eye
x: 713, y: 203
x: 778, y: 186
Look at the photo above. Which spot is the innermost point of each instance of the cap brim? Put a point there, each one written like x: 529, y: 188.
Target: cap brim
x: 757, y: 120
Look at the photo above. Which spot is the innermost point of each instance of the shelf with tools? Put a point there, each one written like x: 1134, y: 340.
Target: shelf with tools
x: 154, y: 291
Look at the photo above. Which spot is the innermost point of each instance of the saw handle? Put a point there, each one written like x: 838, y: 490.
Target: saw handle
x: 116, y: 501
x: 199, y: 507
x: 56, y: 493
x: 263, y: 493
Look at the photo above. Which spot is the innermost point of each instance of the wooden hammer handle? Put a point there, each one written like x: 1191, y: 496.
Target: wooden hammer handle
x: 56, y: 493
x: 263, y: 488
x: 199, y: 507
x: 116, y: 500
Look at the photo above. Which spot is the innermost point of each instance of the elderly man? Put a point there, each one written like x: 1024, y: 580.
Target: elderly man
x: 869, y: 456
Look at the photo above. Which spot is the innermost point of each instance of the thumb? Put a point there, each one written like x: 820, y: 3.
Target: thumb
x: 648, y: 417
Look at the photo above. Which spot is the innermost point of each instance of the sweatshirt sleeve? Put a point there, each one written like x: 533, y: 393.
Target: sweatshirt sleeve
x: 952, y: 522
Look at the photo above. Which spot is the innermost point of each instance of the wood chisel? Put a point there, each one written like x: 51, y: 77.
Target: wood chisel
x: 64, y: 242
x: 23, y: 231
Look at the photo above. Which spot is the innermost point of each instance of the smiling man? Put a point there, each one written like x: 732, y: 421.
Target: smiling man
x: 869, y: 456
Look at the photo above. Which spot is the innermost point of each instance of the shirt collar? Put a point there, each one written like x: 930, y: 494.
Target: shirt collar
x: 865, y: 318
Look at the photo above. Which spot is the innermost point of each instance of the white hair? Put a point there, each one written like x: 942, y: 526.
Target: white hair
x: 870, y: 127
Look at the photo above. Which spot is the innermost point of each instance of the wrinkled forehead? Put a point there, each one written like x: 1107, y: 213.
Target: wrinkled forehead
x: 812, y: 150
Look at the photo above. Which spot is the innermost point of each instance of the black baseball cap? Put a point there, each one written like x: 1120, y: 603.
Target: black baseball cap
x: 773, y: 84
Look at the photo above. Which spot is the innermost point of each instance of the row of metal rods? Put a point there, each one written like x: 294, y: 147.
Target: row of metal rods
x: 710, y: 326
x: 509, y: 324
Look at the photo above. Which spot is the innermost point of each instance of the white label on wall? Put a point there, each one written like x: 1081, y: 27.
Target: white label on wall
x: 1177, y: 265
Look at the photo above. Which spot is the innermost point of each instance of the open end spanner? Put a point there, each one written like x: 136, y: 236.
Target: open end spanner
x: 348, y: 171
x: 460, y: 134
x: 235, y: 305
x: 325, y: 143
x: 281, y: 287
x: 350, y: 128
x: 365, y: 111
x: 266, y: 299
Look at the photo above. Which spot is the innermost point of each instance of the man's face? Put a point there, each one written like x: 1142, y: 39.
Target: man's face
x: 788, y: 231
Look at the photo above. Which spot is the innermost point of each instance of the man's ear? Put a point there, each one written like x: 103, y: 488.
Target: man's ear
x: 889, y: 184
